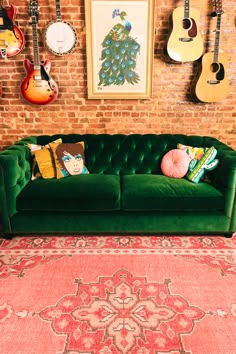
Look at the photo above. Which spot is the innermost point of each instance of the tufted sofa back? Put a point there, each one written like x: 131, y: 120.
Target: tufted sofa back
x: 125, y: 154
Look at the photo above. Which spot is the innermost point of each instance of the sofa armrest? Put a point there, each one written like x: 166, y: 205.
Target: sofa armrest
x: 225, y: 180
x: 15, y: 173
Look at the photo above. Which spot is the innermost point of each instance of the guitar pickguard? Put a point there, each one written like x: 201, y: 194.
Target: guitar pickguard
x: 218, y: 70
x: 193, y: 30
x: 190, y: 26
x: 221, y: 73
x: 44, y: 75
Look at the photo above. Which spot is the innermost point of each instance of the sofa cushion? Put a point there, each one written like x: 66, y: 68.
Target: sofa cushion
x: 82, y: 192
x: 158, y: 192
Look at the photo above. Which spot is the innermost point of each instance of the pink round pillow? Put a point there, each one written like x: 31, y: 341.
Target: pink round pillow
x: 175, y: 163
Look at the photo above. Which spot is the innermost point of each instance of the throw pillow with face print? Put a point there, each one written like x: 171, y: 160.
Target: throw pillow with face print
x: 69, y: 159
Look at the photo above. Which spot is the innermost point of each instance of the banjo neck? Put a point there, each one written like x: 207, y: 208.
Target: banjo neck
x: 58, y: 10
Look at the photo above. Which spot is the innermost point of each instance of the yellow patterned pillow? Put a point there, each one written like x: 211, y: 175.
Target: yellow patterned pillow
x: 45, y: 163
x: 35, y: 168
x: 193, y: 152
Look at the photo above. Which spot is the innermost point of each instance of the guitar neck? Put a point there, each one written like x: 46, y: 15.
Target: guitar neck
x: 35, y: 46
x: 186, y: 8
x: 217, y: 39
x: 58, y: 10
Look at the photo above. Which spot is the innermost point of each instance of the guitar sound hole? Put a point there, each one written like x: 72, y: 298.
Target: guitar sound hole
x: 214, y: 67
x: 186, y: 23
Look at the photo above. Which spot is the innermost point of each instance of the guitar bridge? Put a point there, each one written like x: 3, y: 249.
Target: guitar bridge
x: 185, y: 39
x: 213, y: 82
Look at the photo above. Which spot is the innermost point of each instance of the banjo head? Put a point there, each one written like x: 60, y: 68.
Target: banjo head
x: 60, y: 37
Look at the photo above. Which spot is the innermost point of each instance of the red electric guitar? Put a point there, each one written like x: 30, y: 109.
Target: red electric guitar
x: 38, y: 87
x: 11, y: 38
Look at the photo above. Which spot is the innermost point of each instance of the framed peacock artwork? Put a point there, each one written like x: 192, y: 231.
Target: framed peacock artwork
x: 120, y: 48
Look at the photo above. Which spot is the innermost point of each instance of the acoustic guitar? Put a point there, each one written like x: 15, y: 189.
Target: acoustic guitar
x: 60, y: 36
x: 11, y: 38
x: 38, y: 87
x: 213, y: 84
x: 185, y: 41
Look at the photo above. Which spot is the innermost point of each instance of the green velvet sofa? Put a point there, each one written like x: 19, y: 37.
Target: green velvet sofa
x: 125, y: 192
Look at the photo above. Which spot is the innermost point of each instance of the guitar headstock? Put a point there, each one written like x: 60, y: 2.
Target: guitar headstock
x: 34, y: 11
x: 217, y: 8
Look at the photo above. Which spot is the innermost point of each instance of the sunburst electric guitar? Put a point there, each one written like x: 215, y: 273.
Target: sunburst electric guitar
x: 38, y: 87
x: 11, y: 38
x: 213, y: 84
x: 185, y: 41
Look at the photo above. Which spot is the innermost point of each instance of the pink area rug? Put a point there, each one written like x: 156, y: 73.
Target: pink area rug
x: 118, y: 295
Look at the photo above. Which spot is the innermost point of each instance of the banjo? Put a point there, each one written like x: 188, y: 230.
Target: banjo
x: 60, y: 36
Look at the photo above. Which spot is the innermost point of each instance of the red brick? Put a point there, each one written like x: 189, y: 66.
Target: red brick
x: 170, y: 110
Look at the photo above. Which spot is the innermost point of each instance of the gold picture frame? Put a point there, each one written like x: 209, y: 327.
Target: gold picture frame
x: 120, y: 48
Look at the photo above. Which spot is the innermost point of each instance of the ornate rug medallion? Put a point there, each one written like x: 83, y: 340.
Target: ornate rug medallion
x: 123, y: 314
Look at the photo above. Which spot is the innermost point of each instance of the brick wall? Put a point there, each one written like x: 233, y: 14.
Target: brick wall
x: 171, y: 109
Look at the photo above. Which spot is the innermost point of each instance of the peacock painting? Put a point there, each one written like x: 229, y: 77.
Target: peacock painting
x: 119, y: 54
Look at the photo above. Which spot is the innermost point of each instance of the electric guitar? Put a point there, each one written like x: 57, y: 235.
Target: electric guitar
x: 213, y: 84
x: 60, y: 36
x: 38, y: 87
x: 11, y: 38
x: 185, y: 42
